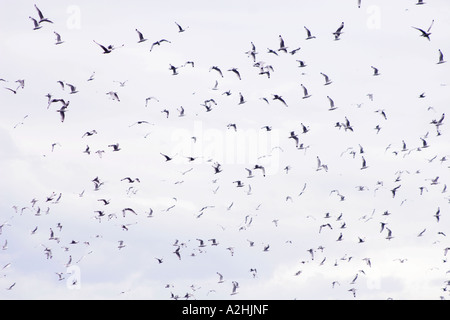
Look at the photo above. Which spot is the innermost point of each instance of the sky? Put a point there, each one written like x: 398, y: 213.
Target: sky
x: 296, y: 230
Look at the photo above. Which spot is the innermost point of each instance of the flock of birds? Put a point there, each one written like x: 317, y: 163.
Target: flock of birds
x: 335, y: 225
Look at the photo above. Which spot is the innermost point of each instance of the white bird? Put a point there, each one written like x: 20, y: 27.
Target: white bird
x: 141, y: 36
x: 441, y: 57
x: 58, y: 38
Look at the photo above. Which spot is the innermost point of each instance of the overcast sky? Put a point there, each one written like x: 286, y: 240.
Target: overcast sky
x: 281, y: 213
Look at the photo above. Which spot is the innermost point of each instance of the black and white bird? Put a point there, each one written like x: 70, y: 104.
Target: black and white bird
x: 58, y: 38
x: 309, y: 35
x: 158, y: 43
x: 41, y: 16
x: 282, y: 44
x: 441, y: 57
x: 426, y: 34
x: 180, y: 28
x: 376, y: 72
x: 37, y: 26
x: 338, y: 32
x: 305, y: 92
x: 141, y: 36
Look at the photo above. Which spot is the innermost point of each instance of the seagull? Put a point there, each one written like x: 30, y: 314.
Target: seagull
x: 235, y: 70
x: 332, y: 106
x: 257, y: 166
x: 114, y: 146
x: 37, y: 26
x: 302, y: 64
x: 305, y: 92
x: 241, y: 99
x: 58, y: 38
x: 282, y: 45
x: 106, y: 50
x: 279, y: 98
x: 41, y: 16
x: 166, y: 156
x: 158, y: 43
x: 308, y: 33
x: 113, y: 95
x: 425, y: 34
x: 235, y: 287
x: 419, y: 2
x: 91, y: 77
x: 375, y: 71
x: 174, y: 70
x: 338, y: 32
x: 327, y: 79
x: 73, y: 89
x: 11, y: 286
x: 121, y: 245
x: 62, y: 111
x: 394, y: 191
x: 180, y: 28
x: 216, y: 69
x: 364, y: 164
x: 441, y: 57
x: 141, y: 36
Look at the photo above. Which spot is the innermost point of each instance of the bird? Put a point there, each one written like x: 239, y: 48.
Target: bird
x: 308, y: 33
x: 376, y: 72
x: 37, y: 26
x: 62, y: 112
x: 338, y: 32
x: 173, y: 69
x: 41, y: 16
x: 121, y: 245
x: 115, y: 147
x: 106, y: 50
x: 302, y: 63
x: 141, y: 36
x: 364, y: 164
x: 216, y: 68
x: 125, y: 210
x: 305, y: 92
x: 279, y: 98
x: 113, y: 95
x: 236, y: 72
x: 327, y: 79
x: 441, y: 57
x: 282, y: 45
x: 259, y: 167
x: 394, y: 191
x: 420, y: 2
x: 235, y: 287
x: 241, y: 99
x: 58, y: 38
x: 332, y: 105
x: 158, y: 43
x: 11, y: 286
x: 426, y: 34
x: 166, y: 157
x: 180, y: 28
x: 73, y: 89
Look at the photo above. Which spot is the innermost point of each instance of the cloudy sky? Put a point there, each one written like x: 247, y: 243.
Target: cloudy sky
x: 268, y: 232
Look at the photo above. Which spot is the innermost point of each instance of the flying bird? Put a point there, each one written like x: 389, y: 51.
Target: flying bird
x: 141, y: 36
x: 441, y: 57
x: 305, y: 92
x: 180, y: 28
x: 308, y: 33
x: 426, y: 34
x: 58, y: 38
x: 338, y: 32
x: 37, y: 26
x: 41, y: 16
